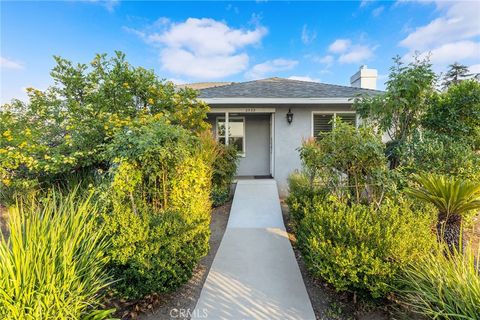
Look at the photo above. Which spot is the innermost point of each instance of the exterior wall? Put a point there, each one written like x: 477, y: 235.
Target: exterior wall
x: 257, y: 144
x: 289, y: 137
x: 286, y: 140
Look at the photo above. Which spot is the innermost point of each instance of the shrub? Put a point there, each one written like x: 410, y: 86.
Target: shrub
x: 442, y: 285
x: 302, y: 196
x: 224, y: 170
x: 159, y: 221
x: 349, y: 162
x: 361, y: 248
x: 431, y: 152
x: 53, y: 264
x: 456, y: 113
x: 67, y: 127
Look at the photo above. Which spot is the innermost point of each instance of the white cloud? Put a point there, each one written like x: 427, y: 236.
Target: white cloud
x: 6, y: 63
x: 304, y: 78
x: 339, y: 45
x: 202, y: 48
x: 308, y: 36
x: 262, y: 69
x: 378, y: 11
x: 474, y: 68
x: 356, y: 54
x: 455, y: 51
x: 452, y: 36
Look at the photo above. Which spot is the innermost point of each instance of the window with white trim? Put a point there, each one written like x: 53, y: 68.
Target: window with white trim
x: 236, y: 132
x: 323, y: 121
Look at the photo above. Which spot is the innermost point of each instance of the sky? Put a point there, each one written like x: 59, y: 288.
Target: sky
x: 323, y: 41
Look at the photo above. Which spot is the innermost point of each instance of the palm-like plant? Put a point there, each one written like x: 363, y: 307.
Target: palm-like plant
x: 453, y: 199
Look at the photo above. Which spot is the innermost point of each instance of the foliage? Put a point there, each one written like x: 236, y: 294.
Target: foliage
x: 448, y: 195
x: 362, y: 248
x: 453, y: 199
x: 160, y: 207
x: 456, y: 113
x: 53, y: 264
x: 455, y: 74
x: 442, y: 285
x: 224, y: 170
x: 67, y: 127
x: 302, y: 196
x: 349, y: 162
x: 399, y: 110
x: 441, y: 154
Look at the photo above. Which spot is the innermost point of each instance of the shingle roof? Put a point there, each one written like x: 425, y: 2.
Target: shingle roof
x: 283, y: 88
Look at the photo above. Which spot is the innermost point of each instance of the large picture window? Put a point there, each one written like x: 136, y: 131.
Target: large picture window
x: 323, y: 121
x: 236, y: 132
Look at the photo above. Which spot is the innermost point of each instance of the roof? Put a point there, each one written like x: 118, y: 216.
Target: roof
x: 282, y: 88
x: 202, y: 85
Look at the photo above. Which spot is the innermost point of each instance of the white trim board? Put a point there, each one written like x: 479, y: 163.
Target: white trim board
x: 244, y: 143
x: 277, y: 100
x: 242, y: 109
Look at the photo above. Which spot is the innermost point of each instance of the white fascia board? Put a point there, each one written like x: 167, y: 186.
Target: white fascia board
x: 277, y: 101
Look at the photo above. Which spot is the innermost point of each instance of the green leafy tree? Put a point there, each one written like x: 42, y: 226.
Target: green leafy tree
x: 66, y: 128
x: 456, y: 113
x: 453, y: 198
x: 399, y: 110
x: 455, y: 74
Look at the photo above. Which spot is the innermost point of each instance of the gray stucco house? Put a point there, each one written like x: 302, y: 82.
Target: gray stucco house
x: 268, y: 119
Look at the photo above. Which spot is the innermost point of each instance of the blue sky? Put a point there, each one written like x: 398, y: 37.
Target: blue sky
x: 235, y: 41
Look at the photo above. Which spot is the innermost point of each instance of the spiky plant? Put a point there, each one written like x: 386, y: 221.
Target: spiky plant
x: 453, y: 198
x: 52, y: 266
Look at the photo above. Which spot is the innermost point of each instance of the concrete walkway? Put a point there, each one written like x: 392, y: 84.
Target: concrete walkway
x: 254, y: 274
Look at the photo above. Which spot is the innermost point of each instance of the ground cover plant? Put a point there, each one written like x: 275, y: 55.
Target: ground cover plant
x: 53, y: 263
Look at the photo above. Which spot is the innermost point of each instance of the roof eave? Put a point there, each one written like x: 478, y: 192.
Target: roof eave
x: 277, y: 101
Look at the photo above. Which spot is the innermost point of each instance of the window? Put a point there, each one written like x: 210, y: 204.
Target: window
x: 323, y: 122
x: 236, y: 132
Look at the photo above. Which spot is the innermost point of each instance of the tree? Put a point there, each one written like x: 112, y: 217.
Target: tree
x: 453, y: 199
x: 66, y: 128
x: 399, y: 110
x: 456, y: 113
x: 456, y: 73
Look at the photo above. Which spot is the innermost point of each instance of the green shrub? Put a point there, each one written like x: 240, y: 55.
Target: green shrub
x: 302, y: 196
x: 67, y: 127
x: 456, y: 113
x: 224, y: 170
x: 53, y: 263
x: 431, y: 152
x: 443, y: 285
x: 160, y: 210
x: 347, y: 161
x: 361, y: 248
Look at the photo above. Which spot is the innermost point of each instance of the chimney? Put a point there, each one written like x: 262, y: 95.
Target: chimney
x: 364, y: 78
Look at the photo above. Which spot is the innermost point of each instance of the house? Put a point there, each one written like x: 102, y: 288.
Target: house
x: 268, y: 119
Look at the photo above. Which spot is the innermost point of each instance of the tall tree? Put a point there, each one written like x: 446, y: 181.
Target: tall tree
x: 455, y: 74
x: 399, y: 110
